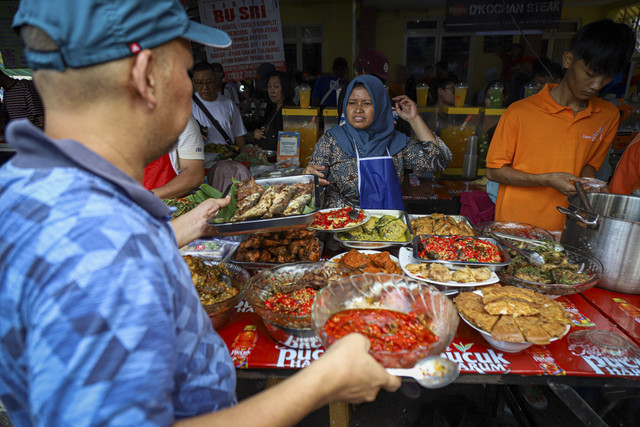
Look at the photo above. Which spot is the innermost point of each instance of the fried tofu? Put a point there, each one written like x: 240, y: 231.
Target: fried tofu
x: 511, y: 306
x: 506, y: 329
x: 514, y: 314
x: 472, y: 308
x: 531, y: 328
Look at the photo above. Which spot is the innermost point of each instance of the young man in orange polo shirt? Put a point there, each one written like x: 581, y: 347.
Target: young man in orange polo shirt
x: 549, y: 140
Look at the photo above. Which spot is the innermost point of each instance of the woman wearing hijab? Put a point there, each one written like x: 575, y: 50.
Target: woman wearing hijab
x: 362, y: 162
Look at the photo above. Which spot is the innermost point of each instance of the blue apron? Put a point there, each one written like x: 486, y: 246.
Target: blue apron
x: 378, y: 183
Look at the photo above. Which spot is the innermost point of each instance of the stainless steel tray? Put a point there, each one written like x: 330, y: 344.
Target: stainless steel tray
x: 272, y: 224
x: 493, y: 266
x: 263, y: 265
x: 375, y: 244
x: 458, y: 218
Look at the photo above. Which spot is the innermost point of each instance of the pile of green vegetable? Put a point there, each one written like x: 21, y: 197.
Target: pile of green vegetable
x: 385, y: 228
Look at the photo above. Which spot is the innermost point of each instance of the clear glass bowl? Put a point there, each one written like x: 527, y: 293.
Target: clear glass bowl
x: 391, y: 292
x: 219, y: 313
x: 286, y: 328
x: 587, y: 262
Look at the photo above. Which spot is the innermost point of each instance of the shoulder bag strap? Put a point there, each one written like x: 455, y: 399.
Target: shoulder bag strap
x: 212, y: 120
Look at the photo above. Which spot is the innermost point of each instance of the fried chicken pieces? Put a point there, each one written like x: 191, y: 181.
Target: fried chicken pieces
x: 514, y: 314
x: 371, y: 263
x: 280, y: 248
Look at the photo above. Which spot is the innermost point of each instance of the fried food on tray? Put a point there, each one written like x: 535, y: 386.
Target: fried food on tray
x: 441, y: 273
x: 280, y: 248
x: 440, y: 224
x: 256, y: 201
x: 514, y: 314
x: 371, y: 263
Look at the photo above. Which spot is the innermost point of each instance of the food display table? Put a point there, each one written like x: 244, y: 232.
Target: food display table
x: 561, y: 365
x: 478, y: 361
x: 621, y: 309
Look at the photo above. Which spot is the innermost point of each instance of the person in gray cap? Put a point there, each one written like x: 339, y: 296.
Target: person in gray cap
x: 101, y: 324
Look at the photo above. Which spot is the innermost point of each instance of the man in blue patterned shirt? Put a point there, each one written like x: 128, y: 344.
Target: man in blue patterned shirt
x: 99, y: 321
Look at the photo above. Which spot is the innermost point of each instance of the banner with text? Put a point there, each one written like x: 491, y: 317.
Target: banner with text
x: 498, y: 15
x: 256, y: 34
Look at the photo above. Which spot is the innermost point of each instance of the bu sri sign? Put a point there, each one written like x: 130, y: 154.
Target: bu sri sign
x: 498, y: 15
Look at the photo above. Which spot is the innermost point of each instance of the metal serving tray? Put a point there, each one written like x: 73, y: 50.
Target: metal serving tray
x: 458, y: 218
x: 375, y: 244
x: 272, y: 224
x: 249, y: 265
x: 493, y: 266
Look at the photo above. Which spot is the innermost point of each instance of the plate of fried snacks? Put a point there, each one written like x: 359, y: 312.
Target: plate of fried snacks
x: 268, y: 204
x: 443, y: 274
x: 270, y: 249
x: 369, y: 261
x: 512, y: 319
x: 441, y: 224
x: 338, y: 219
x: 384, y: 228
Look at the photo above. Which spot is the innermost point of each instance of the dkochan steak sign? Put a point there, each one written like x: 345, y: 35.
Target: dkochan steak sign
x: 498, y: 15
x: 255, y: 31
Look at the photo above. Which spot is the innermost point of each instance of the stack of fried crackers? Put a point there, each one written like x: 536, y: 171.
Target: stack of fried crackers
x: 514, y: 314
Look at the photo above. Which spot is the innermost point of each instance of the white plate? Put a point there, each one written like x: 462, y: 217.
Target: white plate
x: 405, y: 256
x: 508, y: 347
x: 335, y: 230
x: 366, y: 252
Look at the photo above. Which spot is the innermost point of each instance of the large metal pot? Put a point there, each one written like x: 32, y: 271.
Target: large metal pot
x: 611, y: 232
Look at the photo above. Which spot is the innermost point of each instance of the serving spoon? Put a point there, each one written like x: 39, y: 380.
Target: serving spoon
x: 533, y: 257
x: 430, y: 372
x: 353, y: 213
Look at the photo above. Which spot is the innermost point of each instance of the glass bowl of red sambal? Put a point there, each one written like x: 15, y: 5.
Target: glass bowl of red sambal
x: 283, y: 295
x: 404, y: 319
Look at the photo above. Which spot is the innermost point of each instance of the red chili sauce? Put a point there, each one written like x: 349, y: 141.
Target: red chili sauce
x: 297, y: 302
x: 457, y: 248
x: 336, y: 219
x: 387, y: 330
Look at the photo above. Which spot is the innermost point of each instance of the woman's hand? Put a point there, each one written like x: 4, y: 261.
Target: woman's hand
x: 258, y: 134
x: 406, y: 108
x: 315, y: 170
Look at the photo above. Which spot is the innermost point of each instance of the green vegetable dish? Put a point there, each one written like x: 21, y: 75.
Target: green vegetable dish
x: 384, y: 228
x: 556, y: 269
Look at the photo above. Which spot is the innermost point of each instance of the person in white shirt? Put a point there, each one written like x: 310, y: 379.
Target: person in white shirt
x: 207, y: 81
x: 182, y: 170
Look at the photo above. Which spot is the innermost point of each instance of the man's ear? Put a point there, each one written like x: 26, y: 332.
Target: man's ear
x: 567, y: 59
x: 143, y: 79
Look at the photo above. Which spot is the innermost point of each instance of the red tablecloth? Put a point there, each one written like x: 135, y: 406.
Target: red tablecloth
x: 621, y: 309
x: 468, y: 348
